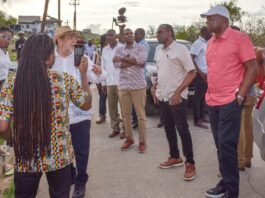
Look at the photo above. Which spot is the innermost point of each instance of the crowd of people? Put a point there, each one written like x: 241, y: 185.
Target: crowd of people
x: 47, y: 101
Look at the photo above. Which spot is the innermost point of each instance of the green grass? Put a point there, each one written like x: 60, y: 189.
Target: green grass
x: 10, y: 192
x: 1, y: 141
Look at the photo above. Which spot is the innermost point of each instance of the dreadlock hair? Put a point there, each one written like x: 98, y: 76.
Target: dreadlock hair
x: 33, y: 101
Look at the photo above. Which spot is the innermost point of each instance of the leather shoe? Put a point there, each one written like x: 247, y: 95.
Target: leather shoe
x: 79, y: 191
x: 160, y: 124
x: 201, y: 124
x: 101, y: 119
x: 123, y: 135
x: 205, y: 119
x: 114, y: 133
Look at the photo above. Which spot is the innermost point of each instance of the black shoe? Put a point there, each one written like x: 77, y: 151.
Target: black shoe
x: 135, y: 125
x: 160, y: 124
x: 79, y: 191
x: 217, y: 192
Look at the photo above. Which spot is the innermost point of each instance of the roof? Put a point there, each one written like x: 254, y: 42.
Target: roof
x: 32, y: 19
x: 28, y: 19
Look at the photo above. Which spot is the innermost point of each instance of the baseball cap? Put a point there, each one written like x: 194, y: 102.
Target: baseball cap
x: 220, y: 10
x: 21, y: 32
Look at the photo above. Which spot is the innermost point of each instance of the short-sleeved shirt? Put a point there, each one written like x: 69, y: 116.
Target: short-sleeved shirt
x: 132, y: 77
x: 173, y: 63
x: 198, y: 48
x: 225, y: 57
x: 64, y: 89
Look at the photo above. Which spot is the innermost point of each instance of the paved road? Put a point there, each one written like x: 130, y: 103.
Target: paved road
x: 119, y: 174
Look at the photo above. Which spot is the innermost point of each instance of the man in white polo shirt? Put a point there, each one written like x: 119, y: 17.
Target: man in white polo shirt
x: 198, y: 54
x: 112, y: 81
x: 175, y: 72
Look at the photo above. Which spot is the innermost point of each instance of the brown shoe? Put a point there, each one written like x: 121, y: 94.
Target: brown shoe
x: 171, y: 162
x: 201, y: 124
x: 123, y: 135
x: 127, y: 144
x: 114, y: 133
x: 101, y: 119
x: 248, y: 164
x: 190, y: 171
x: 142, y: 147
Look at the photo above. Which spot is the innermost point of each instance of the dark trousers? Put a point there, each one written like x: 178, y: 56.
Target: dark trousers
x: 176, y: 116
x: 102, y: 103
x: 80, y: 133
x: 59, y: 181
x: 199, y: 106
x: 225, y: 124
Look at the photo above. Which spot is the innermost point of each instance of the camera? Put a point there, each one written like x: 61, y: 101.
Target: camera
x: 79, y: 50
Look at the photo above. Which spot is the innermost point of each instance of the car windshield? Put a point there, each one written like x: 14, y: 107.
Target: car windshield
x: 154, y: 44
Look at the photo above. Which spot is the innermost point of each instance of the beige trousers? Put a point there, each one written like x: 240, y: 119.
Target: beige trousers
x: 136, y: 97
x: 245, y: 143
x: 113, y: 100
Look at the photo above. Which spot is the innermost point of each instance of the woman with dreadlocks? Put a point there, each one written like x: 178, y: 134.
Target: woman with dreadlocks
x: 36, y: 99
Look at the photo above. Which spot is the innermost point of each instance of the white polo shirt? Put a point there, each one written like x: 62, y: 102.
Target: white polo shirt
x: 198, y: 48
x: 173, y: 63
x: 66, y: 64
x: 107, y: 64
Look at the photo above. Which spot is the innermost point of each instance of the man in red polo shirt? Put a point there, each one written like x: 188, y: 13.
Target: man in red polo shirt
x: 231, y: 71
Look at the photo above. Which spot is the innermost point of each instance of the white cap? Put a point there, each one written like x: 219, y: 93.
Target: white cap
x: 220, y: 10
x: 21, y: 32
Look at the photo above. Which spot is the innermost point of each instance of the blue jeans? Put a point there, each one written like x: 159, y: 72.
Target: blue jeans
x: 80, y: 133
x: 102, y: 104
x: 225, y: 124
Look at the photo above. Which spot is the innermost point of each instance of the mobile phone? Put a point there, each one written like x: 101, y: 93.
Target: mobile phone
x: 78, y: 53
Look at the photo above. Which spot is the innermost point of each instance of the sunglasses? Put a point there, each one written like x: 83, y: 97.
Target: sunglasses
x: 6, y: 38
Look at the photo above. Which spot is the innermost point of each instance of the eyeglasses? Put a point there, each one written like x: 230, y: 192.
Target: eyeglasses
x: 6, y: 38
x: 161, y: 31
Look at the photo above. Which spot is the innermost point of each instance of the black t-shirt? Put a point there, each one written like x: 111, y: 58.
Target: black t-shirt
x: 19, y: 46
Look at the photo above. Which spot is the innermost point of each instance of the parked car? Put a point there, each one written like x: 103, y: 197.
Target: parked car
x: 151, y: 68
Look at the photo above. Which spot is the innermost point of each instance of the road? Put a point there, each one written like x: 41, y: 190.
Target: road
x: 119, y: 174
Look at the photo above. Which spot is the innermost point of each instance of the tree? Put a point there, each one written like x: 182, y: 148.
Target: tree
x: 235, y: 11
x: 151, y: 31
x: 6, y: 20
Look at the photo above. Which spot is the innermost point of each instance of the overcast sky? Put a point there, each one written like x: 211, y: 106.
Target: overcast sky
x: 98, y: 14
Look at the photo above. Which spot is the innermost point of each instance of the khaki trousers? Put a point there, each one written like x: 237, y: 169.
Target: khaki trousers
x: 245, y: 143
x: 113, y: 100
x: 136, y: 97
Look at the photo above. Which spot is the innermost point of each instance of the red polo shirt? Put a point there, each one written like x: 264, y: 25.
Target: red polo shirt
x: 225, y: 57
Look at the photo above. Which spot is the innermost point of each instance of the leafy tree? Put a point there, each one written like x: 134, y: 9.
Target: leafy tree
x: 6, y: 20
x: 151, y: 31
x: 236, y: 13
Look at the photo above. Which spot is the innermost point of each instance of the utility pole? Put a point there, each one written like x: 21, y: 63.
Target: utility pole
x: 59, y: 13
x: 44, y: 15
x: 67, y: 22
x: 74, y: 3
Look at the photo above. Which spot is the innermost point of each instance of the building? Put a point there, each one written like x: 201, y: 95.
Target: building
x: 32, y: 24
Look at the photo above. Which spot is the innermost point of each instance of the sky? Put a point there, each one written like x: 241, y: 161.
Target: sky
x: 98, y: 14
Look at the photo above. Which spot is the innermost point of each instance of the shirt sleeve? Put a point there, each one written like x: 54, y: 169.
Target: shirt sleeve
x: 186, y: 60
x: 246, y: 49
x: 77, y: 95
x: 6, y: 98
x: 195, y: 49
